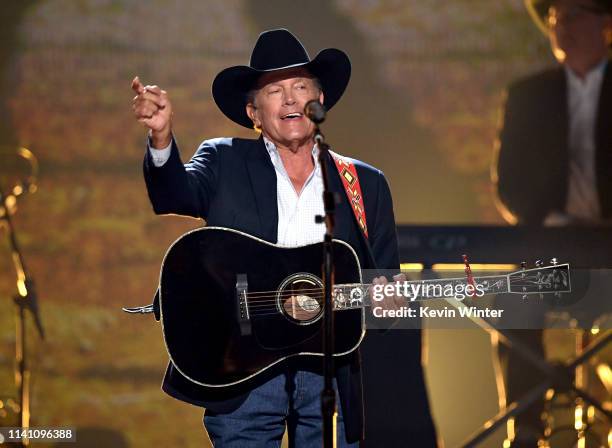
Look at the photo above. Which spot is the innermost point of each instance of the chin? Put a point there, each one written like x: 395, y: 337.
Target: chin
x: 295, y: 139
x: 298, y: 134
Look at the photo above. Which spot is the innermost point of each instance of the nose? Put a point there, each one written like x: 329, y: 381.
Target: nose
x: 288, y: 95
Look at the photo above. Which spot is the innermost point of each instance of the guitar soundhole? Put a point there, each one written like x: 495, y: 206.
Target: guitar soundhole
x: 300, y: 298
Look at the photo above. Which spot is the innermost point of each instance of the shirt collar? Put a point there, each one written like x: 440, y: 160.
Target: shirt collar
x: 274, y: 155
x: 592, y: 78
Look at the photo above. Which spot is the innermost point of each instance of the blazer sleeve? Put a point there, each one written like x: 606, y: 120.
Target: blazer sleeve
x: 183, y: 189
x: 383, y: 234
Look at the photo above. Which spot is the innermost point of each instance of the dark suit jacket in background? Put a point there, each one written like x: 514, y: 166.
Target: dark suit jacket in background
x: 532, y: 168
x: 533, y: 164
x: 232, y: 183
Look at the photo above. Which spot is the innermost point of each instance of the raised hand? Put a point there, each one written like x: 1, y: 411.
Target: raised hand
x: 153, y: 109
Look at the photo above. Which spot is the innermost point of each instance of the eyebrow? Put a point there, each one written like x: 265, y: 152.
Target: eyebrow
x: 277, y: 83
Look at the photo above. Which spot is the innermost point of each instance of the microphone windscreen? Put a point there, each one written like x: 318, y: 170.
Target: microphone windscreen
x: 315, y: 111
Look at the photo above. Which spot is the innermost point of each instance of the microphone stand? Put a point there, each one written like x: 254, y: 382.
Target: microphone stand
x: 314, y: 110
x: 25, y: 299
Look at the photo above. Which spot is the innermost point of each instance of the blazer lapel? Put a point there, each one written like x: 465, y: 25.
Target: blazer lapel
x: 558, y: 103
x: 558, y: 146
x: 263, y: 181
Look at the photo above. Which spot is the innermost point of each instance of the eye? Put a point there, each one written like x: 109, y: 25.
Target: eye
x: 274, y: 91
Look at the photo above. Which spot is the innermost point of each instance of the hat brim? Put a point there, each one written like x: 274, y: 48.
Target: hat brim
x: 230, y: 87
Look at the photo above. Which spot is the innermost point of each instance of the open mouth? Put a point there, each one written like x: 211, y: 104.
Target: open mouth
x: 292, y: 116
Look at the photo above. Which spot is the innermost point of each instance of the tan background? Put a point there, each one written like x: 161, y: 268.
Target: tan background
x: 422, y: 106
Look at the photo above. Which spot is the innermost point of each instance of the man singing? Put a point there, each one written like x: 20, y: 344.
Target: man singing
x: 271, y: 188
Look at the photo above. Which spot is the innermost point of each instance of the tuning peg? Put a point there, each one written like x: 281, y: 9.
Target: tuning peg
x: 554, y: 261
x: 539, y: 263
x: 524, y: 297
x: 523, y: 265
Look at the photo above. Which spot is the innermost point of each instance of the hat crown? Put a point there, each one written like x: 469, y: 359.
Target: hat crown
x: 277, y: 49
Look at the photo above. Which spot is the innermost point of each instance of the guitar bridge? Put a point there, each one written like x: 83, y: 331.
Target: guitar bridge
x: 244, y: 320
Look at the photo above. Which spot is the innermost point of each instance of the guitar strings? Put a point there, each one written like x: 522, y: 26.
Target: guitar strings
x: 265, y: 308
x: 343, y: 285
x: 272, y: 299
x: 367, y: 285
x: 273, y: 293
x: 267, y: 303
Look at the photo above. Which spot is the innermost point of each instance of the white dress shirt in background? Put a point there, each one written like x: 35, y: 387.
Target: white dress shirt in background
x: 583, y: 102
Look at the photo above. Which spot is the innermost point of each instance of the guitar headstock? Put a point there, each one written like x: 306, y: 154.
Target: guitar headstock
x: 552, y: 279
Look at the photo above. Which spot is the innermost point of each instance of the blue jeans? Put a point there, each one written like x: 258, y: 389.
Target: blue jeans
x: 291, y: 398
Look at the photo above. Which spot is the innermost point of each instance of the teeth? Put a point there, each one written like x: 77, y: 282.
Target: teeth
x: 293, y: 115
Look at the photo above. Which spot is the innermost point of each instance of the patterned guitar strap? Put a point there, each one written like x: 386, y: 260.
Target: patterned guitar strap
x: 350, y: 180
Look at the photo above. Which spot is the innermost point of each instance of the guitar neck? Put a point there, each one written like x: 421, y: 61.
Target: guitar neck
x: 359, y: 295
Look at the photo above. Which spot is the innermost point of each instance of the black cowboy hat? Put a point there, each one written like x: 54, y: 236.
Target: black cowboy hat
x: 277, y: 50
x: 538, y: 10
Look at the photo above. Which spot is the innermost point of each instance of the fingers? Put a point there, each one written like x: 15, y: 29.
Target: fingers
x: 382, y: 280
x: 151, y: 106
x: 391, y: 301
x: 154, y: 90
x: 153, y: 124
x: 151, y: 93
x: 139, y: 88
x: 151, y: 100
x: 159, y: 101
x: 401, y: 277
x: 144, y: 108
x: 137, y: 85
x: 148, y: 122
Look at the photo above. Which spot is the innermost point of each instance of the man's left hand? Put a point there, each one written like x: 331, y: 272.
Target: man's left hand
x: 393, y: 301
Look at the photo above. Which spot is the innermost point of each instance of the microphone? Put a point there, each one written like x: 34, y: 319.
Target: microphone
x: 315, y: 111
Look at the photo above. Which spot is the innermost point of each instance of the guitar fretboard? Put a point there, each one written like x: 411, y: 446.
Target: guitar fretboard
x: 359, y: 295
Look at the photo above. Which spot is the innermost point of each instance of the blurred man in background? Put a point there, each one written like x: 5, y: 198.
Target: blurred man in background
x: 554, y: 159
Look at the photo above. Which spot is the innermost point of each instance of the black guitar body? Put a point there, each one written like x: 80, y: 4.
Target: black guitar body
x: 216, y: 335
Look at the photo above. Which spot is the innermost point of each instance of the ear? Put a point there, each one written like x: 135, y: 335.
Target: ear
x: 321, y: 97
x: 251, y: 111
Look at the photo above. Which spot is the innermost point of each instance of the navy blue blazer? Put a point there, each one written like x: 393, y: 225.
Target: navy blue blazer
x: 231, y: 182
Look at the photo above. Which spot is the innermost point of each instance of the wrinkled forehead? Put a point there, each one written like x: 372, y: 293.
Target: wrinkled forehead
x: 282, y: 75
